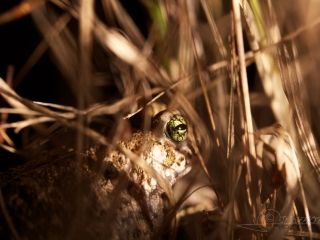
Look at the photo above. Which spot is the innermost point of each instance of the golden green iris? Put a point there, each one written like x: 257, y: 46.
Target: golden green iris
x: 177, y: 128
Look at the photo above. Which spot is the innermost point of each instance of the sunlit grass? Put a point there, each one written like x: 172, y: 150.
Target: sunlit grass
x: 195, y: 59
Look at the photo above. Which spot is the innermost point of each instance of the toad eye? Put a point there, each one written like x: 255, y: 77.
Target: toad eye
x: 177, y: 128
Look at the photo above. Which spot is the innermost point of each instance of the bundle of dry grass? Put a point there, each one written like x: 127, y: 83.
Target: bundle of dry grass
x: 229, y: 67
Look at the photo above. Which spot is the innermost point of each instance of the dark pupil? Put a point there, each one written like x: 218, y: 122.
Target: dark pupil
x: 180, y: 127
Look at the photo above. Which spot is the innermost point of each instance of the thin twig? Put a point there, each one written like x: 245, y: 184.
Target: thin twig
x: 248, y: 131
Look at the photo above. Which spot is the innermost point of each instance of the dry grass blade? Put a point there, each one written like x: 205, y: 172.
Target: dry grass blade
x: 4, y: 115
x: 291, y: 35
x: 214, y: 29
x: 58, y: 106
x: 290, y: 81
x: 5, y: 137
x: 18, y: 111
x: 64, y: 46
x: 127, y: 23
x: 265, y: 62
x: 201, y: 79
x: 12, y: 150
x: 19, y: 108
x: 11, y: 96
x: 126, y: 51
x: 84, y: 63
x: 85, y: 51
x: 233, y: 176
x: 19, y: 11
x: 100, y: 109
x: 42, y: 47
x: 193, y: 95
x: 248, y: 130
x: 26, y: 123
x: 244, y: 80
x: 249, y: 56
x: 129, y: 53
x: 13, y: 102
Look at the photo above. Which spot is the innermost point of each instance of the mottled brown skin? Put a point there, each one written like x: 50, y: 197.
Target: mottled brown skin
x: 104, y: 196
